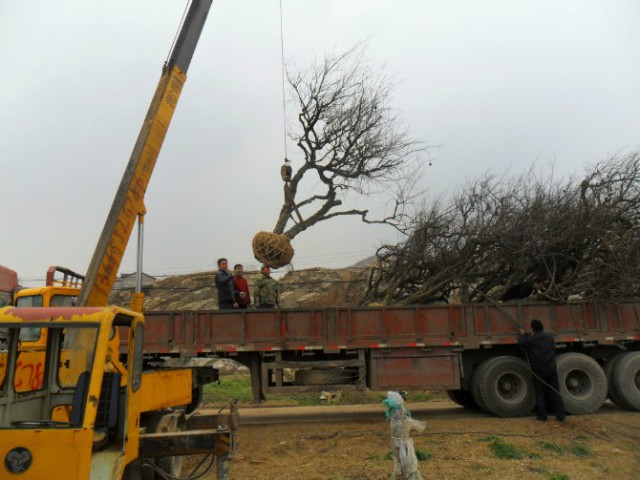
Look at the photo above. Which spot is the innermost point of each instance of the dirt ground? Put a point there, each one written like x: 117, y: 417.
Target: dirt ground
x: 602, y: 446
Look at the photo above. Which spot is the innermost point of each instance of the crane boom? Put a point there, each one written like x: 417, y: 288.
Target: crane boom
x: 128, y: 201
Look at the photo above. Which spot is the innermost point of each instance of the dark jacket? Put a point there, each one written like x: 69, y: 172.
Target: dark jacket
x: 224, y: 284
x: 519, y: 290
x: 542, y: 350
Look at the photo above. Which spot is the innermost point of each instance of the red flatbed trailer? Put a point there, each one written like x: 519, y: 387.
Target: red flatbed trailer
x: 470, y: 349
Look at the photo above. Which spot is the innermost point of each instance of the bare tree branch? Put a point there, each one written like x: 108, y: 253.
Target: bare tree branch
x: 353, y: 141
x: 584, y: 237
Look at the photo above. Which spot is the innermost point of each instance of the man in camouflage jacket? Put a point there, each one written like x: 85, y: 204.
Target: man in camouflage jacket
x: 265, y: 290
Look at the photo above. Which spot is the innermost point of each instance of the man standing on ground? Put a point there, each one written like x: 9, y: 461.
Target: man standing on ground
x: 265, y: 290
x: 240, y: 287
x: 224, y: 285
x: 541, y: 349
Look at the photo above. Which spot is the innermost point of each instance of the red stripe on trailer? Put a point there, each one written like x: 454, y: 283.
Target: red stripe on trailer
x: 300, y: 347
x: 373, y: 345
x: 231, y: 349
x: 446, y: 344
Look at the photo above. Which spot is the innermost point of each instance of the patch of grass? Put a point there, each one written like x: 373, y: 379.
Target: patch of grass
x: 422, y: 396
x: 506, y: 451
x: 553, y: 447
x: 423, y: 455
x: 238, y: 385
x: 557, y: 476
x: 581, y: 450
x: 600, y: 466
x: 375, y: 458
x: 230, y: 386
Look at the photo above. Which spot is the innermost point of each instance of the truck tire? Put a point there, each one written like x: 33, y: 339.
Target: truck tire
x: 475, y: 389
x: 583, y: 383
x: 609, y: 369
x: 169, y: 422
x: 626, y: 379
x: 503, y: 387
x: 464, y: 398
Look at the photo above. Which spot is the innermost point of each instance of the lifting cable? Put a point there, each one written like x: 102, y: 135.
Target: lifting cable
x: 282, y: 72
x: 175, y: 38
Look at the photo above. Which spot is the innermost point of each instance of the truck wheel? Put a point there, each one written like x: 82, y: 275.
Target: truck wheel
x: 476, y: 380
x: 463, y: 398
x: 626, y: 378
x: 503, y: 386
x: 583, y: 383
x: 167, y: 423
x: 609, y: 369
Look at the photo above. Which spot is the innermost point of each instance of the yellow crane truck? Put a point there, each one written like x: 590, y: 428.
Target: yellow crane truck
x: 76, y: 399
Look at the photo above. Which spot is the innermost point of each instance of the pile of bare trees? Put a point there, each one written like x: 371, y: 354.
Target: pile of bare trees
x: 582, y: 235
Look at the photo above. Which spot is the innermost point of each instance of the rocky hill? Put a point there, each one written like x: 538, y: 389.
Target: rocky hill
x: 314, y: 287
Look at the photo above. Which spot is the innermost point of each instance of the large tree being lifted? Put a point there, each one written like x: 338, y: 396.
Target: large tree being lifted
x: 582, y: 236
x: 351, y: 141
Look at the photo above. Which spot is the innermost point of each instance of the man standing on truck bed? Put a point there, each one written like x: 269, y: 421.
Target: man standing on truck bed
x: 265, y: 290
x: 240, y: 287
x: 224, y: 285
x: 541, y: 349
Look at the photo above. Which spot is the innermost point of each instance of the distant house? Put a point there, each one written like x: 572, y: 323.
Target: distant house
x: 128, y: 281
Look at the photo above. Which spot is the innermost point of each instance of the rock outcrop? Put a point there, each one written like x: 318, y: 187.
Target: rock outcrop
x: 309, y: 288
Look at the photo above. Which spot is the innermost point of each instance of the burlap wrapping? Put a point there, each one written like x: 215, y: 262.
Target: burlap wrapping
x: 272, y: 249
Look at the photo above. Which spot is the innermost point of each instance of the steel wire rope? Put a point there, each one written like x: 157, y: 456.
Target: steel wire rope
x: 282, y: 73
x: 175, y: 38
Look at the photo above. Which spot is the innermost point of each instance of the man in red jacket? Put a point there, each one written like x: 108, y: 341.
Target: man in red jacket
x: 240, y: 287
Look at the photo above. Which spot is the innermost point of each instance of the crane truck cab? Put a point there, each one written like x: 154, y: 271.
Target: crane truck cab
x: 57, y: 292
x: 71, y: 411
x: 72, y: 393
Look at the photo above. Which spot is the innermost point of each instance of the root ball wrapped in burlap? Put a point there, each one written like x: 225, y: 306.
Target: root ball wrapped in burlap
x: 272, y: 249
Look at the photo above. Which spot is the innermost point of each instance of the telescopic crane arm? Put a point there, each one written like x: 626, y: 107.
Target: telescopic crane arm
x: 128, y: 202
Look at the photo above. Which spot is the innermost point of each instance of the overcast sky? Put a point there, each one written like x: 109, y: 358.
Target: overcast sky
x: 497, y: 85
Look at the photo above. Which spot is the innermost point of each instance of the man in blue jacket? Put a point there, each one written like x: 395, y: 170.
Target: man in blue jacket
x: 224, y: 285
